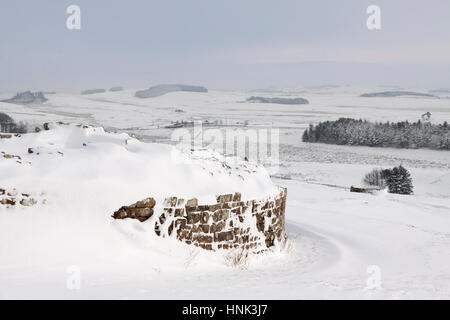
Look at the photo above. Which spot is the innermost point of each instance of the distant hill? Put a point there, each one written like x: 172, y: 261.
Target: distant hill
x: 92, y: 91
x: 396, y: 94
x: 257, y: 99
x: 159, y: 90
x: 116, y: 89
x: 440, y: 91
x: 27, y: 97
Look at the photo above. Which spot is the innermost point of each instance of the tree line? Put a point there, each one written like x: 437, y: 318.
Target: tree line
x: 404, y: 134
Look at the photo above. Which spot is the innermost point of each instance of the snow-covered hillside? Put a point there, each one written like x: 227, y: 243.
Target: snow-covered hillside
x: 92, y: 163
x: 339, y: 241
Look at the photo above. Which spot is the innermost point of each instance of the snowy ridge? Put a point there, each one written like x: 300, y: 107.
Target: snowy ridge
x: 122, y: 168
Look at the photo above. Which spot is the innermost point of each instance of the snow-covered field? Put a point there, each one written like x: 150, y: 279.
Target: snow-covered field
x: 340, y: 243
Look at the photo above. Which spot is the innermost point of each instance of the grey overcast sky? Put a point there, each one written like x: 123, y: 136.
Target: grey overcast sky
x: 227, y: 44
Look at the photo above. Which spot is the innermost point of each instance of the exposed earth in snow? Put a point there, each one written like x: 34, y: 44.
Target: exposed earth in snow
x: 340, y: 245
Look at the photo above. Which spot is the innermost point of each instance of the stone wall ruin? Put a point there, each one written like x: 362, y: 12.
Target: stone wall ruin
x: 229, y: 223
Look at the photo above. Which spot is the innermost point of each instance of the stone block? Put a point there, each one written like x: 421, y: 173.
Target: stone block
x: 192, y: 202
x: 170, y: 202
x: 193, y: 218
x: 179, y: 212
x: 204, y: 217
x: 224, y: 236
x: 157, y: 229
x: 120, y: 214
x: 146, y: 203
x: 224, y: 198
x: 217, y: 227
x: 141, y: 213
x: 215, y: 207
x: 180, y: 223
x: 236, y: 210
x: 170, y: 229
x: 227, y: 205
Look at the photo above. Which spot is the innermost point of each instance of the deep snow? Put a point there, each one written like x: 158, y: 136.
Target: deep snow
x: 336, y: 237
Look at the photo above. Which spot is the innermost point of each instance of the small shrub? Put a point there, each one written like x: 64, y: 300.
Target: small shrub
x: 8, y: 125
x: 397, y: 180
x: 375, y: 178
x: 237, y: 258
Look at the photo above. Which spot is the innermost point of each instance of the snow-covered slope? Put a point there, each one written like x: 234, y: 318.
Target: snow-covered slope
x: 336, y: 237
x: 120, y: 169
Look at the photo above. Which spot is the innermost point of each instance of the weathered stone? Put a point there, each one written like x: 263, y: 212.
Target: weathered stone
x: 193, y: 218
x: 180, y: 223
x: 170, y: 202
x: 204, y: 217
x: 215, y: 207
x: 227, y: 205
x: 207, y: 239
x: 224, y: 198
x: 146, y: 203
x: 182, y: 234
x: 140, y: 213
x: 224, y: 236
x: 190, y: 209
x: 236, y: 210
x: 220, y: 214
x: 179, y: 212
x: 238, y: 204
x: 180, y: 202
x: 170, y: 229
x: 237, y: 196
x: 7, y: 201
x: 120, y: 214
x: 219, y: 226
x: 204, y: 228
x: 192, y: 202
x: 157, y: 229
x: 206, y: 246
